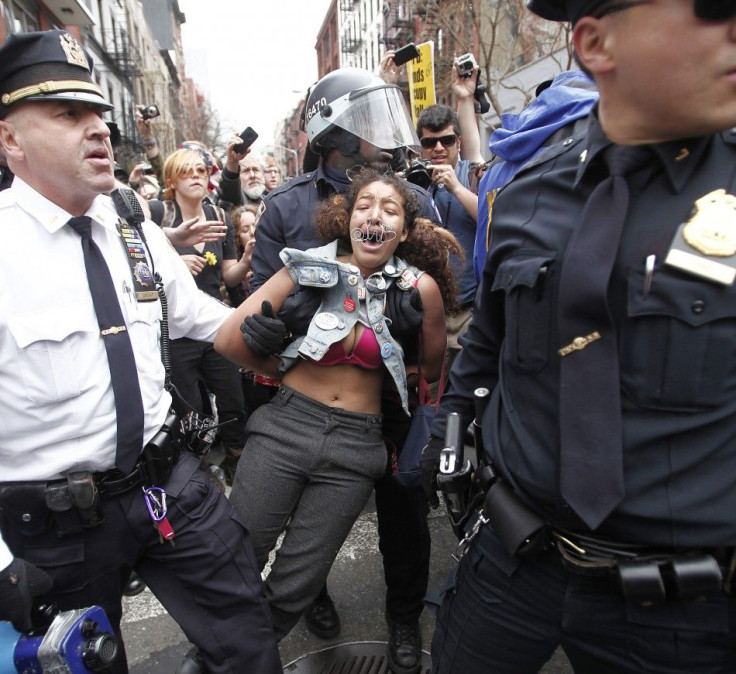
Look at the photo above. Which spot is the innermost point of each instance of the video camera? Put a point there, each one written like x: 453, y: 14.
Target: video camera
x: 75, y: 642
x: 466, y: 64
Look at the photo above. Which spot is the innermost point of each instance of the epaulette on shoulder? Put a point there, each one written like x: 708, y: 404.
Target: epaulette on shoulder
x: 296, y: 180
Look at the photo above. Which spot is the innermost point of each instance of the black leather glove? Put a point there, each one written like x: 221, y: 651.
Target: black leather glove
x: 20, y: 582
x: 404, y: 308
x: 299, y: 308
x: 429, y: 466
x: 264, y: 333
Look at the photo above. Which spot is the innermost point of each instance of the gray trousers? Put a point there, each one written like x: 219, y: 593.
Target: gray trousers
x: 307, y: 469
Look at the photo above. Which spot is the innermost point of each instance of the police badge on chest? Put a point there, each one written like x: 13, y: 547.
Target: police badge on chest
x: 705, y: 245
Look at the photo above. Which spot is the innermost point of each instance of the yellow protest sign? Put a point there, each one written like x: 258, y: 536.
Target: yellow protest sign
x: 421, y: 79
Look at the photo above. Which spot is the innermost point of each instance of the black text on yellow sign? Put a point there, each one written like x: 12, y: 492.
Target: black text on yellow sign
x: 421, y: 80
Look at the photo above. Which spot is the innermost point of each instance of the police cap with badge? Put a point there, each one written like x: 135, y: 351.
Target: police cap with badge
x: 46, y: 65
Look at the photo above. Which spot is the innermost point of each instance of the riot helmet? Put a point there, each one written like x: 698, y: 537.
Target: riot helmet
x: 359, y: 103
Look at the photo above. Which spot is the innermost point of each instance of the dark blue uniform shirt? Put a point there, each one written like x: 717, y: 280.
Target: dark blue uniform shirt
x: 677, y: 344
x: 6, y: 178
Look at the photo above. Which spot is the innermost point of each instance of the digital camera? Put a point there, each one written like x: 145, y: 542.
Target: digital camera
x: 418, y: 173
x: 150, y: 111
x: 466, y: 64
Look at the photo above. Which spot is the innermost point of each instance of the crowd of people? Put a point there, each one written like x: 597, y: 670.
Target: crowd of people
x: 583, y: 278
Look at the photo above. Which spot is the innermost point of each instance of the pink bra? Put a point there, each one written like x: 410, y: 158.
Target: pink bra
x: 365, y: 354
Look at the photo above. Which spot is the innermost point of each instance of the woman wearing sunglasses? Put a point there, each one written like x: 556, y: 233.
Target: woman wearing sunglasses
x: 211, y: 262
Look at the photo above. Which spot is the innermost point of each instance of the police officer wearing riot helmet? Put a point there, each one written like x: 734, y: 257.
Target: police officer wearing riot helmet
x: 92, y: 483
x: 634, y: 569
x: 352, y: 118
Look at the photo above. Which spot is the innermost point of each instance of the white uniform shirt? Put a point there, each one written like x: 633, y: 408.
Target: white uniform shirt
x: 57, y: 408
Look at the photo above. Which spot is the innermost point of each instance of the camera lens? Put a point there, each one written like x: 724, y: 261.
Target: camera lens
x: 150, y: 111
x: 100, y: 651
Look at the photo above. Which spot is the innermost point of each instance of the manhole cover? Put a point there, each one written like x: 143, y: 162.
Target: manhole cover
x: 360, y: 657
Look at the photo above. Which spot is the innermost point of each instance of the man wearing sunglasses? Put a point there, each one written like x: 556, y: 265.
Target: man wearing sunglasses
x: 608, y: 527
x: 454, y: 187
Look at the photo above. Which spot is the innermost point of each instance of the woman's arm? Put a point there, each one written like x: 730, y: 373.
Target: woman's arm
x: 229, y: 341
x: 234, y: 271
x: 434, y: 335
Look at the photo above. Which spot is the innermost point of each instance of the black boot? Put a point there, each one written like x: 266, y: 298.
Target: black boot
x: 404, y: 647
x: 321, y: 617
x: 134, y: 586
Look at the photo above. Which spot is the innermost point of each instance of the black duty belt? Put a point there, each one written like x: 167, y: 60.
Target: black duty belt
x: 73, y: 502
x: 113, y: 483
x: 152, y: 468
x: 649, y: 575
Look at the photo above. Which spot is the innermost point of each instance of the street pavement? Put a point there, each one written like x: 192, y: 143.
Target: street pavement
x: 155, y: 645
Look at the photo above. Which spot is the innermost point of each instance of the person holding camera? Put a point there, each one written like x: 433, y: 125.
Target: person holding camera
x: 94, y: 482
x: 454, y: 185
x: 603, y: 329
x: 230, y: 190
x: 143, y: 116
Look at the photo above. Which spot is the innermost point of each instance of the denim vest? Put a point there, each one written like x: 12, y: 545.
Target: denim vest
x: 319, y: 268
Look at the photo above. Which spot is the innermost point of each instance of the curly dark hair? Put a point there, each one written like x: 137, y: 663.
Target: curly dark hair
x: 427, y: 247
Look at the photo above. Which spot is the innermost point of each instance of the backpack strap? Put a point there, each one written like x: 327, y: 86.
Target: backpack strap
x: 169, y: 213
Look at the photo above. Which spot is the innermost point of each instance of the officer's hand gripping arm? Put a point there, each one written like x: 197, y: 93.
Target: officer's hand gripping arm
x: 406, y: 311
x: 264, y: 333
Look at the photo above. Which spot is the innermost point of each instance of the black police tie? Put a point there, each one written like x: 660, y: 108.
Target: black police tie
x: 120, y: 357
x: 591, y: 452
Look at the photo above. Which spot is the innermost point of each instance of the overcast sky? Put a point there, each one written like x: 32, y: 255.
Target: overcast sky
x: 251, y: 56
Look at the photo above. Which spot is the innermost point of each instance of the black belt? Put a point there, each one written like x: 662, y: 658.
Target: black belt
x: 74, y: 501
x: 152, y: 468
x: 113, y: 483
x: 649, y: 575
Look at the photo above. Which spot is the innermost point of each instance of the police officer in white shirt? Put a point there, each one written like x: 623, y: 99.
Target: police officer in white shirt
x: 92, y: 483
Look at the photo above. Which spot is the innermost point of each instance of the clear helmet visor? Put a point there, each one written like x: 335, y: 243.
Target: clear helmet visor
x: 379, y: 116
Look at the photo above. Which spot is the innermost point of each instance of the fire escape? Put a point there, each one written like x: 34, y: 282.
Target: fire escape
x: 124, y: 61
x: 351, y: 38
x: 398, y: 21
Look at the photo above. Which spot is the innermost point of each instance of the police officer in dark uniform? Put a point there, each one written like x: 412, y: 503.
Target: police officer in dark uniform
x: 93, y: 483
x: 604, y: 329
x: 353, y: 118
x: 6, y: 175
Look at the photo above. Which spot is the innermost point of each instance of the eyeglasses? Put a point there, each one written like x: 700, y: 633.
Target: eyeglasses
x: 199, y: 171
x: 706, y: 10
x: 428, y: 142
x: 274, y: 171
